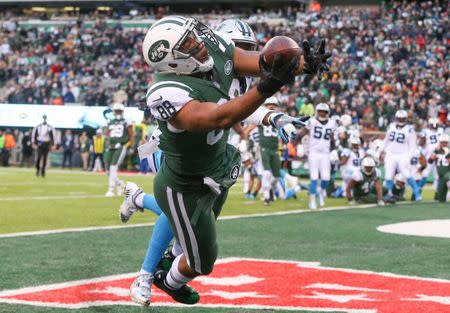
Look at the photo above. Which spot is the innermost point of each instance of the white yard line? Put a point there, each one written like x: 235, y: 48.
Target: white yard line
x: 230, y: 217
x: 55, y: 197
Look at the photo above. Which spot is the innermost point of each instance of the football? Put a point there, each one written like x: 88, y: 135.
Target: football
x: 285, y: 46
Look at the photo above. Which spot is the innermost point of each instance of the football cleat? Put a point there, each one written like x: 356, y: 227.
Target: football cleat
x: 109, y: 193
x: 140, y: 289
x: 313, y: 205
x: 185, y: 294
x: 129, y: 206
x: 266, y: 202
x: 166, y: 261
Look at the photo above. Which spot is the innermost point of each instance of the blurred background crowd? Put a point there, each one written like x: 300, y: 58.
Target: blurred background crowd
x: 386, y: 58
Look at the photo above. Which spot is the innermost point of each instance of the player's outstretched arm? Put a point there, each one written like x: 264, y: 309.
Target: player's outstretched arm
x: 207, y: 116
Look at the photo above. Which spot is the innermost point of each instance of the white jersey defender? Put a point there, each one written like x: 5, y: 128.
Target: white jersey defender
x: 319, y: 144
x: 399, y: 146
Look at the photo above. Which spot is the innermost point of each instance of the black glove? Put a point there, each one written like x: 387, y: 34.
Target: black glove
x: 316, y: 61
x: 275, y: 77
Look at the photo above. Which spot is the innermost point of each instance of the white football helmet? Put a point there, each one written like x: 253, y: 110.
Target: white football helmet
x: 433, y: 123
x: 355, y: 142
x: 346, y: 120
x: 368, y: 165
x: 401, y: 116
x: 322, y: 107
x: 164, y: 45
x: 239, y: 32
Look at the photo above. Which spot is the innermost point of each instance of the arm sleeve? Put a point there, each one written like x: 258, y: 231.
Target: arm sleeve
x: 257, y: 117
x: 165, y: 102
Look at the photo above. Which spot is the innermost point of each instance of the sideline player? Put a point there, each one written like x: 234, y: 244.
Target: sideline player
x: 120, y: 133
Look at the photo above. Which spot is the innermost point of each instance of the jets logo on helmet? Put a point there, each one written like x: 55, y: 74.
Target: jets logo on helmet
x: 239, y: 32
x: 158, y: 50
x: 172, y: 44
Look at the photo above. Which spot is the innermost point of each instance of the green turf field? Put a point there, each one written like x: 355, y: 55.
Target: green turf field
x: 340, y: 238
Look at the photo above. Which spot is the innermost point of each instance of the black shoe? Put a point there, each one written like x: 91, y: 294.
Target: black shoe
x: 185, y: 294
x: 266, y: 202
x: 166, y: 261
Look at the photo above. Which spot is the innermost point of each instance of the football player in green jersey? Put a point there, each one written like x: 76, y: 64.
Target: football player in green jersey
x: 441, y: 157
x: 365, y: 185
x: 120, y: 134
x: 190, y: 98
x: 268, y: 144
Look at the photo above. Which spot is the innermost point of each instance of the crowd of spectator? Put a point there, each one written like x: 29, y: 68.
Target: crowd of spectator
x: 384, y: 58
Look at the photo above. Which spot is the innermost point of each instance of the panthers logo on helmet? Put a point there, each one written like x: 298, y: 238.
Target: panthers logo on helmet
x: 158, y: 50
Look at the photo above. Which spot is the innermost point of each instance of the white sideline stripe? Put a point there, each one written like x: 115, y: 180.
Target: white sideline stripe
x: 230, y: 217
x: 51, y: 197
x: 72, y: 230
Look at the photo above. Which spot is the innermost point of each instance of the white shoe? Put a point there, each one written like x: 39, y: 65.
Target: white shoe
x: 313, y: 205
x: 140, y: 289
x: 321, y: 198
x: 119, y: 188
x: 109, y: 193
x: 129, y: 206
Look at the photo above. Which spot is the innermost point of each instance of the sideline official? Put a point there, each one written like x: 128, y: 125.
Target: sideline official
x: 43, y: 139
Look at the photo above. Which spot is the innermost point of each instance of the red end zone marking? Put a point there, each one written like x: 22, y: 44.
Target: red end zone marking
x: 249, y: 283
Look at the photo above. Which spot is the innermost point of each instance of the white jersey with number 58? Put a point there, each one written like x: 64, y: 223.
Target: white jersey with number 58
x: 320, y: 135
